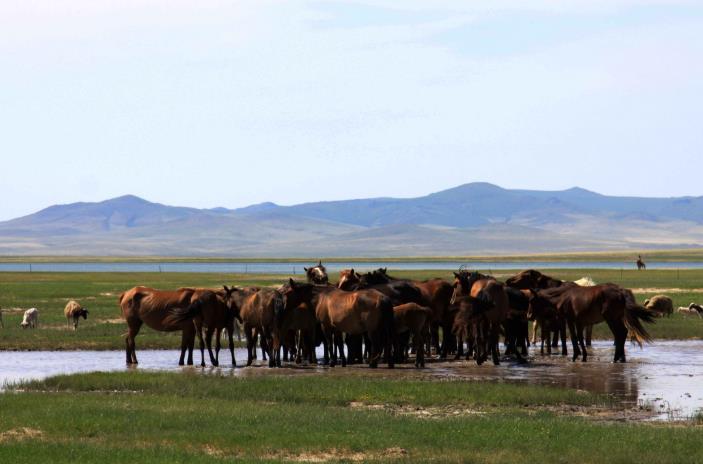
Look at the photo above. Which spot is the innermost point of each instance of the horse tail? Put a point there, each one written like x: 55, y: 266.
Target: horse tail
x: 634, y: 315
x: 179, y: 315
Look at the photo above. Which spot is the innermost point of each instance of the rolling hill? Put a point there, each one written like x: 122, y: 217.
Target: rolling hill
x: 476, y: 218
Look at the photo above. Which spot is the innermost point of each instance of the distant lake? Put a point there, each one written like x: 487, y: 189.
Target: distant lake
x: 332, y: 267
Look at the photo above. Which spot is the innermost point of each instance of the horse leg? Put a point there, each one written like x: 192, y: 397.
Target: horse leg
x: 201, y: 342
x: 251, y: 343
x: 419, y: 349
x: 589, y: 334
x: 218, y: 334
x: 617, y: 327
x: 574, y: 342
x: 208, y: 340
x: 184, y: 347
x: 582, y: 345
x: 339, y: 343
x: 561, y: 331
x: 535, y: 325
x: 494, y: 341
x: 231, y: 344
x: 133, y: 326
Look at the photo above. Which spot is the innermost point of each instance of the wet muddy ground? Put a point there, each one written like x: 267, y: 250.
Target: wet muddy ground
x: 661, y: 381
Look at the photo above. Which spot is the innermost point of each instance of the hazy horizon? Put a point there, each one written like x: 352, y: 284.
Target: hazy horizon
x: 233, y: 104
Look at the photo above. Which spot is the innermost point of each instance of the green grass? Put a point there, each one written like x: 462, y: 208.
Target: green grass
x: 103, y: 330
x: 173, y: 417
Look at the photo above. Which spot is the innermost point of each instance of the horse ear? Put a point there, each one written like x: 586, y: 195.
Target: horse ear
x: 227, y: 290
x: 352, y: 271
x: 319, y: 263
x: 291, y: 282
x: 305, y: 269
x: 457, y: 275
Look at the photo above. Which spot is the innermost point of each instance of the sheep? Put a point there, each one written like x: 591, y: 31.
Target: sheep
x: 660, y: 304
x: 30, y: 319
x: 73, y: 312
x: 692, y: 309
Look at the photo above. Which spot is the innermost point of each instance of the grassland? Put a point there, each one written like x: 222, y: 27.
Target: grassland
x: 161, y: 417
x: 103, y: 329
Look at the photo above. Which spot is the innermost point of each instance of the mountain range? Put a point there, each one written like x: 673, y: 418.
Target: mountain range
x: 475, y: 218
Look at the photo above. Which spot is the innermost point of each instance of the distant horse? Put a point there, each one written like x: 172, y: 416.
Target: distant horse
x: 581, y: 306
x: 640, y: 264
x: 317, y: 275
x: 368, y: 312
x: 141, y: 305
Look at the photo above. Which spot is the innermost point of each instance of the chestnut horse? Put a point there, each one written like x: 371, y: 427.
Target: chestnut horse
x: 367, y: 312
x: 260, y: 310
x: 581, y: 306
x: 144, y: 305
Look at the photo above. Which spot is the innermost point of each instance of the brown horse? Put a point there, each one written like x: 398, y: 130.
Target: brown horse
x: 367, y: 312
x: 144, y: 305
x: 260, y: 310
x: 413, y: 318
x: 581, y: 306
x: 436, y: 295
x: 214, y: 310
x: 317, y: 274
x: 495, y: 311
x: 532, y: 280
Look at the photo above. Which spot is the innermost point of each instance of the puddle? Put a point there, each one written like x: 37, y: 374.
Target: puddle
x: 665, y: 375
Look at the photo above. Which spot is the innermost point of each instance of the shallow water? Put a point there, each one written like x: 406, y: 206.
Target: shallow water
x: 332, y: 267
x: 665, y: 375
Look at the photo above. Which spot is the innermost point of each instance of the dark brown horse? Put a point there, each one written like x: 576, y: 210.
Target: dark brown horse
x: 367, y: 312
x: 144, y: 305
x: 535, y: 280
x: 436, y: 295
x: 415, y: 319
x: 317, y: 274
x: 640, y: 264
x: 213, y: 310
x: 488, y: 322
x: 581, y: 306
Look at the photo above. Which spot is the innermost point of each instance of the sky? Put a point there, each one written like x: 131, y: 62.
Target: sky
x: 229, y: 103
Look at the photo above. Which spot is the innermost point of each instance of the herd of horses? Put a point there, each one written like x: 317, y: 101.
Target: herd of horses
x: 379, y: 318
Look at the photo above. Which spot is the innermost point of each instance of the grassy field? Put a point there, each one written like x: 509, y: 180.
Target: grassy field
x: 99, y: 292
x: 162, y: 417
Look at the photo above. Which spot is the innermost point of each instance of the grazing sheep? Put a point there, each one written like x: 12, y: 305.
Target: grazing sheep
x: 660, y: 304
x: 30, y: 319
x: 693, y: 309
x: 73, y: 312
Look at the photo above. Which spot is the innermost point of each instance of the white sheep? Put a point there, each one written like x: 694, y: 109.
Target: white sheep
x: 30, y: 319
